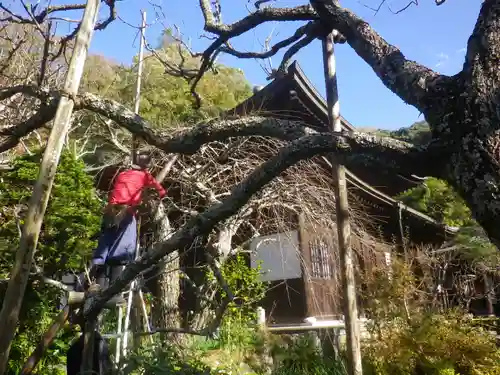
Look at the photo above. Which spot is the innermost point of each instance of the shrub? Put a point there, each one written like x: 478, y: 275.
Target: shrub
x: 298, y: 354
x: 407, y: 337
x: 237, y: 327
x: 72, y: 219
x: 163, y: 359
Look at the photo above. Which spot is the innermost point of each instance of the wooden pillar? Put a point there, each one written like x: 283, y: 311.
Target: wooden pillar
x: 135, y: 141
x: 305, y: 264
x: 343, y: 227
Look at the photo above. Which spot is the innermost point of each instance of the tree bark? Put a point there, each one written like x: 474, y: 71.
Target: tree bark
x: 166, y: 289
x: 462, y: 110
x: 166, y: 294
x: 41, y: 192
x: 473, y: 123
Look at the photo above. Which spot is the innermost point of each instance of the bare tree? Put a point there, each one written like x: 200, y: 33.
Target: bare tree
x: 461, y: 110
x: 452, y: 105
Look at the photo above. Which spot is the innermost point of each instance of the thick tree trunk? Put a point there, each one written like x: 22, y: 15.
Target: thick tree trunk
x: 473, y: 123
x: 461, y: 110
x: 166, y: 289
x: 166, y: 293
x: 204, y: 313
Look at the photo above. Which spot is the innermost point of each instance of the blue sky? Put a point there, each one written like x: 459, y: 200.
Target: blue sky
x: 432, y: 35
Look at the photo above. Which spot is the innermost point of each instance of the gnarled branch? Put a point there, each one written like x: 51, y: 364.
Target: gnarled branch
x: 482, y: 48
x: 409, y: 80
x: 382, y: 151
x: 14, y: 134
x: 198, y: 226
x: 225, y: 32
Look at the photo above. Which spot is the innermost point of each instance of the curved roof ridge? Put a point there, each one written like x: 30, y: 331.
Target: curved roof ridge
x: 355, y: 180
x: 309, y: 88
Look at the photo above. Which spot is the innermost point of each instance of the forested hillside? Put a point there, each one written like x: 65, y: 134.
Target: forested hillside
x: 417, y: 133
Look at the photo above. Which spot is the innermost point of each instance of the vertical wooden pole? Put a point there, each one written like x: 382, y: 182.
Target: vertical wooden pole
x: 305, y: 265
x: 135, y: 142
x: 89, y: 331
x: 87, y: 365
x: 343, y: 226
x: 41, y: 192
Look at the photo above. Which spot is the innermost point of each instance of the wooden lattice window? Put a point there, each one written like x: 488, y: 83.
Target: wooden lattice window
x: 321, y: 265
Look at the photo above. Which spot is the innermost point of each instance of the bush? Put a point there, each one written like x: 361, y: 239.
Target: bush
x: 298, y: 355
x: 237, y: 328
x: 72, y: 219
x: 162, y: 359
x: 408, y: 337
x: 37, y: 312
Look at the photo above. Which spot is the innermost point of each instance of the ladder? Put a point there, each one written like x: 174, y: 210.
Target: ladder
x: 123, y: 324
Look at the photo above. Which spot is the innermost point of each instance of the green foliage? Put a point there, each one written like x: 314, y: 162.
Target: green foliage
x: 437, y: 199
x: 37, y: 312
x: 440, y: 201
x: 407, y: 337
x: 294, y: 357
x: 248, y: 290
x: 435, y: 344
x: 71, y: 220
x: 166, y: 100
x: 419, y: 133
x: 299, y: 355
x: 165, y: 360
x: 235, y: 349
x: 475, y: 246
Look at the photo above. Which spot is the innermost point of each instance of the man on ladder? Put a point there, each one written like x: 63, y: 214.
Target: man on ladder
x: 118, y: 239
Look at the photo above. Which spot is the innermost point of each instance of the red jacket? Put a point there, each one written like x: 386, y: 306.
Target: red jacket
x: 128, y: 187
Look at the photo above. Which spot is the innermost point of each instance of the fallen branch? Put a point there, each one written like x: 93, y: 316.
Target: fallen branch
x: 202, y: 224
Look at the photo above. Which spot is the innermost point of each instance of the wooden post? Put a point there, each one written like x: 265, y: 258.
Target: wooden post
x: 41, y: 192
x: 343, y: 227
x: 135, y: 142
x: 87, y: 365
x: 45, y: 341
x: 134, y: 308
x: 89, y: 331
